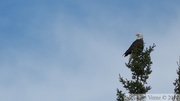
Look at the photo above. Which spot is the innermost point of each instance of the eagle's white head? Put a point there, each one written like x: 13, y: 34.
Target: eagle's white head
x: 140, y: 36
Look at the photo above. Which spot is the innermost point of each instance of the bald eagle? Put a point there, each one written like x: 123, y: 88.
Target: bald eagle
x: 136, y: 47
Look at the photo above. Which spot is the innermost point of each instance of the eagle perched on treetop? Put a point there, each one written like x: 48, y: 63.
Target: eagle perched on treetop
x: 136, y: 47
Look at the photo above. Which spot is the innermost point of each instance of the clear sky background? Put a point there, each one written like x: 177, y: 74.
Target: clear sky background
x: 71, y: 50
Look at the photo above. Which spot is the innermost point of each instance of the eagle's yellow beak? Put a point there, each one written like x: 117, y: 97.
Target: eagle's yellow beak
x: 137, y: 34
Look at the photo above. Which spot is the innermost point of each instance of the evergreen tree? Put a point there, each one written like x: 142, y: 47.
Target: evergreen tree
x: 177, y: 84
x: 140, y: 66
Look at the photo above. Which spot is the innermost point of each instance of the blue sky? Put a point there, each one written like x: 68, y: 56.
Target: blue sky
x: 64, y: 50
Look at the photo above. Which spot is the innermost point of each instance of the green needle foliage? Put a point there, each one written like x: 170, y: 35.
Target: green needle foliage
x: 177, y: 84
x: 140, y: 66
x: 177, y: 81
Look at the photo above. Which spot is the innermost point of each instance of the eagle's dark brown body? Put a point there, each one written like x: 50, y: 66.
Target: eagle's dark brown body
x: 135, y: 48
